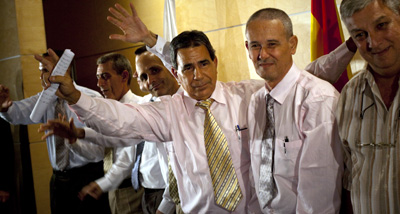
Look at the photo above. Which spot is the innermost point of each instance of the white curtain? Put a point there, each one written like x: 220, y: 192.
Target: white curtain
x: 170, y: 30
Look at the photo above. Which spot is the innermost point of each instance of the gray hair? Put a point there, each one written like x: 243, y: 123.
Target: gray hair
x: 349, y: 7
x: 271, y: 14
x: 119, y: 63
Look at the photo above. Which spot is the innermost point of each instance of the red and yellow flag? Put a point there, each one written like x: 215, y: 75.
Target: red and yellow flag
x: 326, y: 33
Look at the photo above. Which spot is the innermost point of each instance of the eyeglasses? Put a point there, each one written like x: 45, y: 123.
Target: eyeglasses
x: 379, y: 145
x: 104, y: 76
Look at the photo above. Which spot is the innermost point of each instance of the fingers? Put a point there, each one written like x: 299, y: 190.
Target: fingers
x: 71, y: 123
x: 49, y: 65
x: 116, y: 13
x: 82, y: 194
x: 92, y: 189
x: 47, y: 135
x: 134, y: 13
x: 122, y: 10
x: 117, y: 37
x: 53, y: 55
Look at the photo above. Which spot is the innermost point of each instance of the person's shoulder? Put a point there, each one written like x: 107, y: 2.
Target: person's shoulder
x: 246, y: 86
x: 316, y: 86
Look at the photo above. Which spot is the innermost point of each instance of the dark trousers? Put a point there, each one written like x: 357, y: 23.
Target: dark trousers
x: 65, y: 186
x: 151, y: 200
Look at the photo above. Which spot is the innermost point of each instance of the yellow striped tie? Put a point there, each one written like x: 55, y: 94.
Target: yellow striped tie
x: 173, y: 185
x: 225, y: 183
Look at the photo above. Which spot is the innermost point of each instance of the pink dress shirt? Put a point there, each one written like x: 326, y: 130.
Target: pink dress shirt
x: 177, y: 119
x: 308, y: 168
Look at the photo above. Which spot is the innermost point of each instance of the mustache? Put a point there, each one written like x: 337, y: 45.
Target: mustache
x: 261, y: 61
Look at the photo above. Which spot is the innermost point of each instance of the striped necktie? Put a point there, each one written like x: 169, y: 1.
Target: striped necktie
x: 173, y: 185
x: 225, y: 183
x: 267, y: 190
x: 62, y: 152
x: 136, y: 167
x: 108, y: 159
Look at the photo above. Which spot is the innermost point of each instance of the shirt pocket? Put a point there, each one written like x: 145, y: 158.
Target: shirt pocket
x: 287, y: 156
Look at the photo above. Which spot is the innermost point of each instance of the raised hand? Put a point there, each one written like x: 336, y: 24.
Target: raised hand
x: 61, y: 127
x: 5, y: 100
x: 47, y: 63
x: 131, y: 25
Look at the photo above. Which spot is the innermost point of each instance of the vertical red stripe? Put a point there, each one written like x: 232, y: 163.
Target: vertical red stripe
x: 325, y: 13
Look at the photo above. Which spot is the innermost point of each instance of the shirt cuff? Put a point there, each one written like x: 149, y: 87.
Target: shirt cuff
x: 104, y: 184
x: 90, y: 134
x: 167, y: 206
x: 158, y: 47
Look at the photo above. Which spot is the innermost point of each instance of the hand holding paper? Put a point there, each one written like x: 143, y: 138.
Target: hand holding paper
x: 49, y: 95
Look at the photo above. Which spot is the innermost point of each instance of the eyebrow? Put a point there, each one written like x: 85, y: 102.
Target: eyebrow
x: 268, y: 40
x: 378, y: 20
x: 204, y: 60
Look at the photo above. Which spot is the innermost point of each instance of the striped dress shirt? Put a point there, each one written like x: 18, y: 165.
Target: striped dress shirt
x: 370, y: 134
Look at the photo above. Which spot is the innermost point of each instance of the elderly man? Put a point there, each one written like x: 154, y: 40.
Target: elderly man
x: 368, y: 109
x: 114, y: 75
x: 74, y: 166
x: 295, y: 150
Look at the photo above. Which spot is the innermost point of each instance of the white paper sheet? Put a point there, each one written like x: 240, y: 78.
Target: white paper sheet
x: 49, y: 95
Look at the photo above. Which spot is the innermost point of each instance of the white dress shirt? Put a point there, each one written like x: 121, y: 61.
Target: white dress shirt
x: 177, y: 119
x: 80, y: 153
x: 154, y: 163
x: 308, y: 168
x: 123, y: 157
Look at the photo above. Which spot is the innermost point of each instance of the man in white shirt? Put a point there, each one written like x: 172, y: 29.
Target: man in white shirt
x: 154, y: 77
x: 296, y: 155
x: 114, y: 74
x: 84, y: 162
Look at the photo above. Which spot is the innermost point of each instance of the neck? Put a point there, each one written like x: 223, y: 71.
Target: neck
x: 124, y: 92
x: 388, y: 87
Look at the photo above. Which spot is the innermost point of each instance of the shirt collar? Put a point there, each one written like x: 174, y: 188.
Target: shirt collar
x: 127, y: 97
x: 282, y: 89
x: 217, y: 95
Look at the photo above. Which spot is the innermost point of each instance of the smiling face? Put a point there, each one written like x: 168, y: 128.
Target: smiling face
x: 111, y: 84
x: 375, y: 30
x: 270, y: 49
x: 153, y: 76
x: 196, y: 72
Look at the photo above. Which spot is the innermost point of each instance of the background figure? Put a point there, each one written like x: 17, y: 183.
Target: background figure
x: 7, y: 168
x: 368, y: 108
x: 114, y: 74
x: 154, y: 77
x: 74, y: 166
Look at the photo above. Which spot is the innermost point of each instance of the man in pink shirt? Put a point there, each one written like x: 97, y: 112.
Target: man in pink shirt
x: 296, y: 155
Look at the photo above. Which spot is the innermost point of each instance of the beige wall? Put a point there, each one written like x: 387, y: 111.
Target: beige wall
x: 23, y: 34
